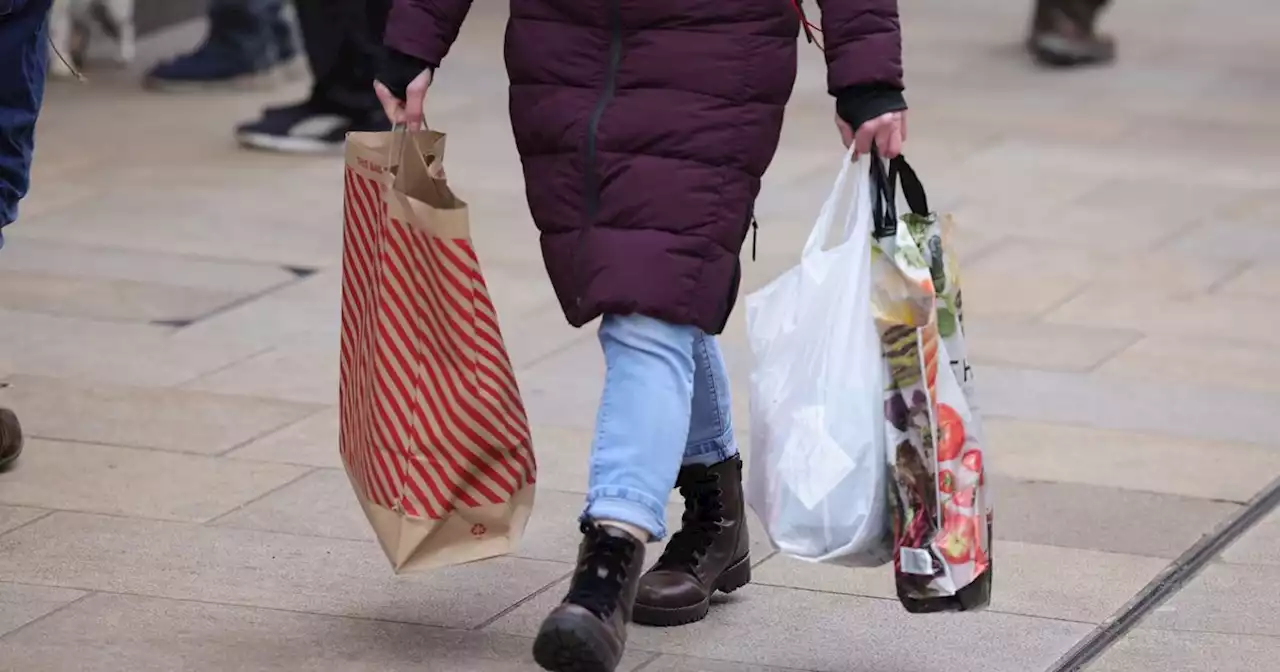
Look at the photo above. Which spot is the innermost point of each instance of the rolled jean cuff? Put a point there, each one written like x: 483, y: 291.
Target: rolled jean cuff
x: 627, y: 505
x: 713, y: 451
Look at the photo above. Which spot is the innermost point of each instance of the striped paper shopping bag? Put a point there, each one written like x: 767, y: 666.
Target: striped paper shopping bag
x: 433, y: 431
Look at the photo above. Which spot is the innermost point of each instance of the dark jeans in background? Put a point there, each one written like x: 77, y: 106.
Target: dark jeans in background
x: 24, y: 59
x: 344, y: 44
x: 343, y: 39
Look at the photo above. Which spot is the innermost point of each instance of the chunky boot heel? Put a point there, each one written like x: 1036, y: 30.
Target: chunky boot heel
x: 708, y: 554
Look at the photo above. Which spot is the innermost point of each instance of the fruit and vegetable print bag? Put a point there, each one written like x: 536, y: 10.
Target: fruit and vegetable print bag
x: 941, y: 508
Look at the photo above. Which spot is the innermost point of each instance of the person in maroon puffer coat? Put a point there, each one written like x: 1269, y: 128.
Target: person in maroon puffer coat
x: 644, y: 128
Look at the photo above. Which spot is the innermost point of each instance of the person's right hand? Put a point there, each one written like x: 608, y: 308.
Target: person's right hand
x: 409, y: 111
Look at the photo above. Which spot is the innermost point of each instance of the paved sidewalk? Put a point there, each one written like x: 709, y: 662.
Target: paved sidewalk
x: 168, y: 326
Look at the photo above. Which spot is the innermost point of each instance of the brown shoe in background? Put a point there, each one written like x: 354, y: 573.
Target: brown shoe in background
x: 1063, y: 34
x: 10, y: 438
x: 708, y: 554
x: 588, y: 631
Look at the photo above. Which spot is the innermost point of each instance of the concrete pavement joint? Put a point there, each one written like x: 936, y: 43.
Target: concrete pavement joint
x: 1170, y: 581
x: 246, y: 299
x: 42, y: 617
x: 268, y: 432
x: 494, y: 619
x: 648, y: 661
x: 33, y: 521
x: 243, y: 505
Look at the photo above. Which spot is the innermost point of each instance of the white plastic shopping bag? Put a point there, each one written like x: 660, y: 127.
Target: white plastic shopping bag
x: 820, y: 472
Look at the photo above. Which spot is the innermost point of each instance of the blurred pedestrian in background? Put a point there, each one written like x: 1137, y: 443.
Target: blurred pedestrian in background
x: 1064, y: 34
x: 24, y: 61
x: 251, y: 41
x: 344, y: 44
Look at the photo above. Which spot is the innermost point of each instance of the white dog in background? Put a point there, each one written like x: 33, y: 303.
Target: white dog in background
x: 71, y: 23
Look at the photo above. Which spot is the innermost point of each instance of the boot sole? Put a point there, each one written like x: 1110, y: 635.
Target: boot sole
x: 564, y: 644
x: 736, y: 576
x: 9, y: 453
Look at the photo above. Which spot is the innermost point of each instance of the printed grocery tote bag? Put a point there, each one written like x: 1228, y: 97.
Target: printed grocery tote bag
x: 433, y: 432
x: 940, y: 503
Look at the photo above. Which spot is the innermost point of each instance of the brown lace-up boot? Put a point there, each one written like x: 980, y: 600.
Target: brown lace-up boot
x: 1063, y: 34
x: 588, y: 631
x: 10, y: 438
x: 708, y: 554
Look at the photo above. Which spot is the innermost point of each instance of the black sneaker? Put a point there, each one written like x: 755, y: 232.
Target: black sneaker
x: 242, y: 51
x: 10, y: 438
x: 307, y: 128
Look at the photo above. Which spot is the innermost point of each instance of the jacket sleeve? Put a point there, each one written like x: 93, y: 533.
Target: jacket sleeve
x: 425, y: 29
x: 863, y: 43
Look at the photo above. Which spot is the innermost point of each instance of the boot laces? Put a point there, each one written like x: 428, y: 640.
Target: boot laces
x: 702, y: 520
x: 602, y: 571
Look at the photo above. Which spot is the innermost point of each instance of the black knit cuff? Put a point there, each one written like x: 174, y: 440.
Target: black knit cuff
x: 857, y: 105
x: 397, y: 70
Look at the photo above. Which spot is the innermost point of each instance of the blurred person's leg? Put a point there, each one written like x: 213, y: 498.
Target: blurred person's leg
x: 248, y: 42
x: 1064, y: 33
x: 343, y: 41
x: 24, y: 61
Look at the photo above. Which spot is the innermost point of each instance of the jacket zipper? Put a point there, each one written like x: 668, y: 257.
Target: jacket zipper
x: 591, y: 177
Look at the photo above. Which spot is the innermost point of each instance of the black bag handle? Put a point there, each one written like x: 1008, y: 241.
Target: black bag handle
x: 884, y: 207
x: 885, y: 198
x: 901, y: 172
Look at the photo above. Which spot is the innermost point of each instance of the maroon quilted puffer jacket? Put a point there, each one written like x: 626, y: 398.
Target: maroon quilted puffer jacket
x: 644, y: 127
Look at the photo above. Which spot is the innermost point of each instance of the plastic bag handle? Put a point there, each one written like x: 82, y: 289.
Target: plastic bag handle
x: 826, y: 218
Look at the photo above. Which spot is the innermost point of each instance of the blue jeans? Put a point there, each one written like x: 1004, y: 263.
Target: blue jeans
x: 665, y: 404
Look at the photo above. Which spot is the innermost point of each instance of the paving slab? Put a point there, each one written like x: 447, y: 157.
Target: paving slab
x: 1211, y: 363
x: 690, y: 664
x: 1258, y: 546
x: 191, y: 422
x: 1260, y: 279
x: 302, y: 370
x: 1204, y: 316
x: 1010, y: 341
x: 766, y: 625
x: 1100, y: 518
x: 21, y: 604
x: 134, y: 482
x: 312, y: 441
x: 1167, y: 651
x: 115, y: 353
x: 1179, y: 411
x: 1130, y: 460
x: 16, y: 516
x: 1046, y: 581
x: 114, y: 632
x: 115, y: 264
x: 276, y: 571
x: 110, y: 300
x: 1227, y: 599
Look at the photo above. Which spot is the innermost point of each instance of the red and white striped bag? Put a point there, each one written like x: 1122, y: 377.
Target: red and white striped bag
x: 434, y: 435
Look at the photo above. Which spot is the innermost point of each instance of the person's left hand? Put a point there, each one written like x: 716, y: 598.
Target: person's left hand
x: 888, y: 131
